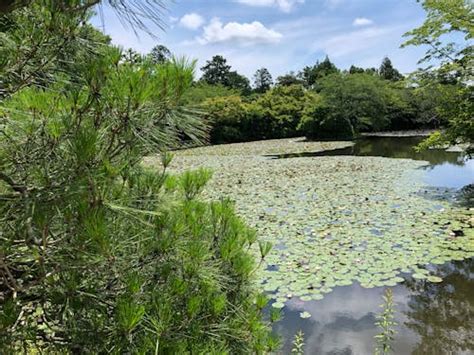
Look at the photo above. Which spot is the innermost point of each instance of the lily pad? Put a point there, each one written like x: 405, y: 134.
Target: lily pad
x: 434, y: 279
x: 305, y: 315
x: 334, y: 220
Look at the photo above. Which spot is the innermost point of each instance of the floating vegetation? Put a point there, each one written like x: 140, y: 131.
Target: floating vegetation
x: 334, y: 220
x: 305, y: 315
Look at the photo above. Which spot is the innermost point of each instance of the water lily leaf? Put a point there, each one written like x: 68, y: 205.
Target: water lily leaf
x: 305, y: 315
x: 434, y: 279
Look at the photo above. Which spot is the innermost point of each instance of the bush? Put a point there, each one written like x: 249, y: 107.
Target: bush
x: 201, y: 91
x: 226, y: 116
x: 320, y: 122
x: 282, y: 108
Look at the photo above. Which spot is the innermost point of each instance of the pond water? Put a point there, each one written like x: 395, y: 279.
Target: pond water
x: 449, y: 169
x: 432, y: 318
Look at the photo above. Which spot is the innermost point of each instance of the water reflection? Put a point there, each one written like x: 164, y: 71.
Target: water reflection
x: 445, y: 169
x: 443, y: 314
x: 389, y: 147
x: 432, y: 318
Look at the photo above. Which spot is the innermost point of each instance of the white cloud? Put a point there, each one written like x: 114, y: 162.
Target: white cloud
x: 245, y: 33
x: 362, y: 21
x: 283, y: 5
x: 332, y: 4
x: 353, y: 42
x: 192, y: 21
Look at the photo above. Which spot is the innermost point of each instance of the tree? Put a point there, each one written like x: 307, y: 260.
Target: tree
x: 276, y: 113
x: 310, y: 75
x: 99, y: 253
x: 356, y: 70
x: 288, y: 80
x: 350, y: 103
x: 216, y: 71
x: 227, y: 115
x: 201, y: 91
x: 447, y: 21
x: 238, y: 82
x: 262, y: 80
x: 388, y: 72
x: 160, y: 54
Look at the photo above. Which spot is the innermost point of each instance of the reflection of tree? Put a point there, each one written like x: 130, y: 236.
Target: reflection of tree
x: 443, y: 314
x: 389, y: 147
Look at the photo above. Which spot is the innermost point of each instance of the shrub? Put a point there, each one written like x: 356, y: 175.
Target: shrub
x: 226, y: 116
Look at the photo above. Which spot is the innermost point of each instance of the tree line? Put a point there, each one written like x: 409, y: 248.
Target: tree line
x: 320, y: 101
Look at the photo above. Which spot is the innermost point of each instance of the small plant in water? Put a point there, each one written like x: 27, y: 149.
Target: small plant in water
x: 298, y: 343
x: 386, y: 324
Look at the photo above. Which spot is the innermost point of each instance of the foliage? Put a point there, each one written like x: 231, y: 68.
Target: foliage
x: 312, y: 75
x: 288, y: 80
x: 33, y: 59
x: 356, y: 70
x: 276, y: 114
x: 298, y: 343
x: 99, y: 254
x: 159, y: 54
x: 447, y: 21
x: 200, y: 91
x: 239, y: 82
x: 262, y: 80
x: 351, y: 103
x: 388, y: 72
x: 226, y: 115
x: 217, y: 72
x: 386, y: 323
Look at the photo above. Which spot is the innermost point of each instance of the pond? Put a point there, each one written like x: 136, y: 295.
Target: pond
x: 348, y: 220
x: 432, y: 318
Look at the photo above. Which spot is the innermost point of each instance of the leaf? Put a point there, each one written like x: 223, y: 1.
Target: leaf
x: 305, y: 315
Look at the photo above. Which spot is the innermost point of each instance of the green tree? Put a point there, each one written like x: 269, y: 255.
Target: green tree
x: 99, y: 253
x: 262, y: 80
x: 160, y: 54
x: 132, y: 57
x: 350, y: 103
x: 311, y: 75
x: 288, y: 80
x: 201, y: 91
x: 226, y: 116
x: 388, y: 72
x: 277, y: 113
x: 356, y: 70
x: 238, y: 82
x: 216, y: 71
x: 446, y: 21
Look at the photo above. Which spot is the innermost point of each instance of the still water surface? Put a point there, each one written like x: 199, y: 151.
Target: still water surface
x: 431, y: 318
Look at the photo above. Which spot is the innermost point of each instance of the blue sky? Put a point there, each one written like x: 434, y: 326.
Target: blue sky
x: 281, y: 35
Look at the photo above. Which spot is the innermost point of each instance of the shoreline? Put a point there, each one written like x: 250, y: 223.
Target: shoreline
x: 407, y: 133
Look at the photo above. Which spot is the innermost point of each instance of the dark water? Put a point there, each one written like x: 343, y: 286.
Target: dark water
x: 432, y: 318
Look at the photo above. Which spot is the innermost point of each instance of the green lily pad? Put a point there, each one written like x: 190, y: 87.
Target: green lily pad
x: 333, y: 220
x: 434, y: 279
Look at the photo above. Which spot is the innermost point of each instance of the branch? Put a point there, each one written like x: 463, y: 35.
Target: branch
x: 16, y: 187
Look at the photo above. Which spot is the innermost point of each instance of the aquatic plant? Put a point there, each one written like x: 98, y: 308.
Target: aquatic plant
x: 386, y: 324
x: 298, y: 343
x: 334, y: 221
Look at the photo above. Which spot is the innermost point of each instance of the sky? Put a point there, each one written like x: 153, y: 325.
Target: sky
x: 280, y: 35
